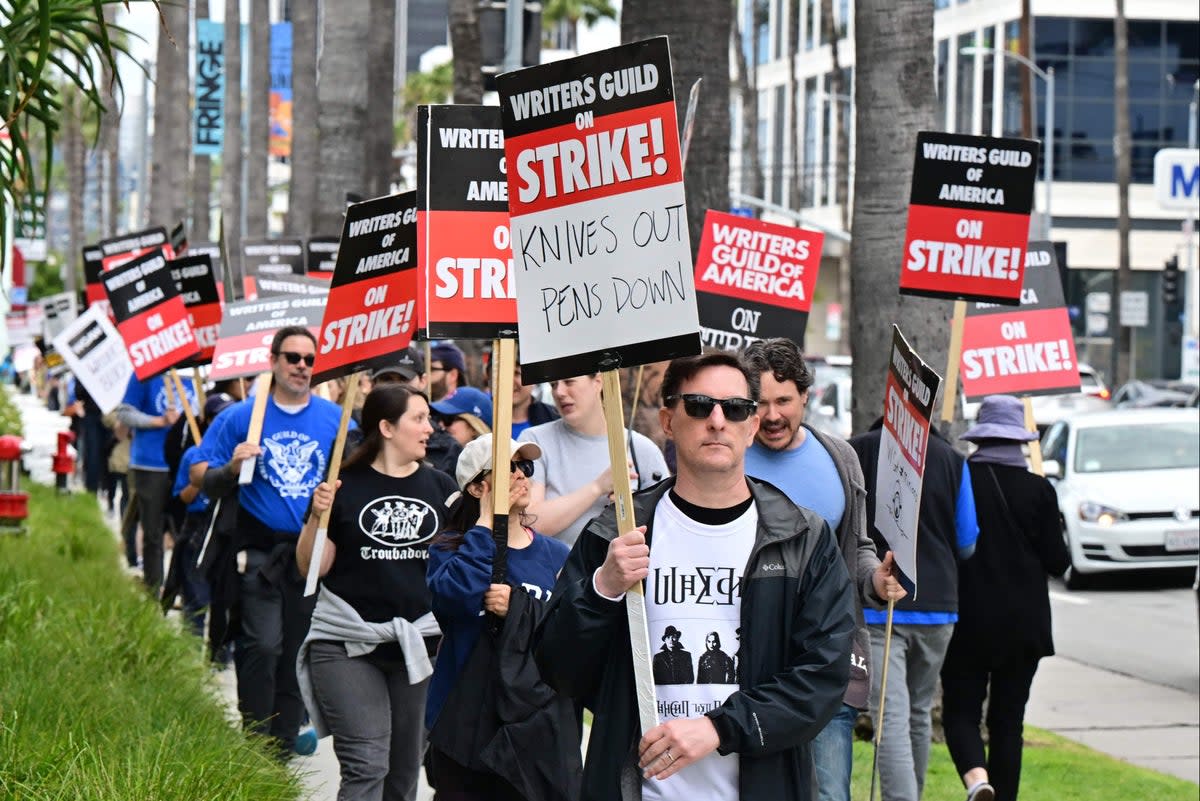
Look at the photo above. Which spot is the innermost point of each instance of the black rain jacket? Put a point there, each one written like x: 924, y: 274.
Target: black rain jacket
x: 797, y: 618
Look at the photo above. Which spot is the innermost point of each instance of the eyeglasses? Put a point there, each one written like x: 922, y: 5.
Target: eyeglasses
x: 295, y: 358
x: 436, y: 368
x: 736, y: 410
x: 524, y: 465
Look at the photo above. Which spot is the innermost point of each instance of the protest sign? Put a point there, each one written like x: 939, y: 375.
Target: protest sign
x: 21, y: 330
x: 370, y: 316
x: 280, y: 101
x: 197, y: 285
x: 754, y: 280
x: 1027, y: 350
x: 150, y: 314
x: 208, y: 116
x: 269, y: 286
x: 968, y: 217
x: 247, y: 327
x: 213, y: 251
x: 93, y: 266
x: 462, y: 211
x: 907, y: 410
x: 178, y: 239
x: 117, y: 250
x: 270, y: 258
x: 596, y: 200
x: 320, y: 257
x: 95, y: 352
x: 58, y: 311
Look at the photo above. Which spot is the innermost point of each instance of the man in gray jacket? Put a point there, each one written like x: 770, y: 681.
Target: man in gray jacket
x: 821, y: 473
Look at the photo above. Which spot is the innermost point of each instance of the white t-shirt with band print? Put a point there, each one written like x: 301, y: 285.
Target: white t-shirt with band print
x: 693, y: 609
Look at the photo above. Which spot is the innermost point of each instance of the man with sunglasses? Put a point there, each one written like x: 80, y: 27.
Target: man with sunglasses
x: 298, y: 431
x: 821, y: 473
x: 721, y: 555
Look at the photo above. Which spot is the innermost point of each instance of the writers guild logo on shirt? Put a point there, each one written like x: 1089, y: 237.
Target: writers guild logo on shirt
x: 294, y: 463
x: 162, y: 401
x: 394, y: 520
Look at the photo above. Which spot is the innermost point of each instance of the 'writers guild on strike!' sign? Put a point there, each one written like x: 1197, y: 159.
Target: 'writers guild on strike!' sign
x: 599, y: 226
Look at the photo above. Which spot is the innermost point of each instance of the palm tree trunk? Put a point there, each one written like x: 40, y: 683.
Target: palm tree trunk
x: 465, y: 42
x: 747, y: 81
x: 231, y: 152
x: 201, y: 174
x: 302, y: 191
x: 706, y: 178
x: 893, y: 89
x: 75, y: 157
x: 342, y: 100
x: 381, y: 89
x: 841, y: 167
x: 259, y: 107
x: 110, y: 136
x: 1122, y: 334
x: 170, y: 117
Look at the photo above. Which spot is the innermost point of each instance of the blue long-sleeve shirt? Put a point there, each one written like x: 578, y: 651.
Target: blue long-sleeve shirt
x: 459, y: 578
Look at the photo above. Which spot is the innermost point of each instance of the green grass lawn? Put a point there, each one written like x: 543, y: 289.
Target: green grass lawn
x: 100, y: 698
x: 1053, y: 769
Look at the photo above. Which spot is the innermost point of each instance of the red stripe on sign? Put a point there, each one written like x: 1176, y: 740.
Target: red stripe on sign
x: 367, y: 319
x: 1018, y: 353
x: 623, y: 152
x: 470, y: 275
x: 159, y: 338
x: 976, y: 255
x: 246, y: 354
x: 757, y: 261
x: 206, y: 323
x: 906, y: 424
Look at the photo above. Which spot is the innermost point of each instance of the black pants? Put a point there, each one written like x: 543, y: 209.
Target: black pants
x: 275, y: 617
x: 1007, y: 691
x: 452, y: 782
x: 152, y: 489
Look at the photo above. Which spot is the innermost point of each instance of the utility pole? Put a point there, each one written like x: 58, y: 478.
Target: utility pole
x: 1188, y: 368
x: 1122, y: 341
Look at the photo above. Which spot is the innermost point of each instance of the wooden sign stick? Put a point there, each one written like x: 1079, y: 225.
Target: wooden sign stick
x: 262, y: 391
x: 335, y: 467
x: 503, y: 359
x: 887, y: 652
x: 956, y: 339
x: 198, y: 386
x: 635, y: 601
x: 1035, y: 447
x: 187, y: 406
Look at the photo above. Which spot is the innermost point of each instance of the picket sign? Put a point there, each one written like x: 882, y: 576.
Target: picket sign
x: 262, y: 390
x: 175, y: 380
x: 503, y: 365
x: 335, y: 466
x: 956, y: 343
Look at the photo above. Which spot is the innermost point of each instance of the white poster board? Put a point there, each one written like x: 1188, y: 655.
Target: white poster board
x: 95, y: 352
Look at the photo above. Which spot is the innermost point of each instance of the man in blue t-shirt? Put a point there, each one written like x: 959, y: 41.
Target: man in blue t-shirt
x: 149, y: 412
x: 297, y: 436
x: 821, y: 473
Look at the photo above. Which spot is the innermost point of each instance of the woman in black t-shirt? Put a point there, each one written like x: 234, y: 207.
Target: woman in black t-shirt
x: 364, y: 668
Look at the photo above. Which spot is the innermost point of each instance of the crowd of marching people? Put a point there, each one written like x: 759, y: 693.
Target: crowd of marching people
x: 765, y: 581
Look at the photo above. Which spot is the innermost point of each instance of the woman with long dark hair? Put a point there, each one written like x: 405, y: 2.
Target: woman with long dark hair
x: 364, y: 667
x: 460, y: 578
x: 1003, y: 624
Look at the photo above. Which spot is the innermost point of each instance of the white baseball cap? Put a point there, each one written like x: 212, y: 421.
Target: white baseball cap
x: 476, y: 457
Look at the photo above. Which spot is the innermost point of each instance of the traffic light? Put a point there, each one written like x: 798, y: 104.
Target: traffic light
x: 1170, y: 281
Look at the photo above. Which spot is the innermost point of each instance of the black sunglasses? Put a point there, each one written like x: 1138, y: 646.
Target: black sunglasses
x: 524, y: 465
x: 736, y: 410
x: 295, y: 358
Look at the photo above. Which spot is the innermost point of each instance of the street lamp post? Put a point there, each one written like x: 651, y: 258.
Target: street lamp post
x: 1046, y: 75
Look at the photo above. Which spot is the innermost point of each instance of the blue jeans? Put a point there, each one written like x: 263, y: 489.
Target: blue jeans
x: 833, y: 755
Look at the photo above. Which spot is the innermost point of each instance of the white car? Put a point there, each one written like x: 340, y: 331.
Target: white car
x: 1128, y: 485
x: 1093, y: 396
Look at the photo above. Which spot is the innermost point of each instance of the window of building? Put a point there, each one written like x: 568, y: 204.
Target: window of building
x: 811, y: 14
x: 779, y: 162
x: 807, y: 170
x: 777, y: 15
x: 762, y: 26
x: 1014, y: 73
x: 965, y: 103
x: 988, y: 64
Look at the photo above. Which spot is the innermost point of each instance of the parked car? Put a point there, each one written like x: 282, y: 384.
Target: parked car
x: 829, y: 407
x: 1128, y: 485
x: 1093, y: 396
x: 1145, y: 394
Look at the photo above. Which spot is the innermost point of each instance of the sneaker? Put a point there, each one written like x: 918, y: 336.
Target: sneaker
x: 982, y: 792
x: 306, y: 743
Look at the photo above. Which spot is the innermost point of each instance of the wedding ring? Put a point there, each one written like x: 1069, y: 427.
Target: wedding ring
x: 669, y: 757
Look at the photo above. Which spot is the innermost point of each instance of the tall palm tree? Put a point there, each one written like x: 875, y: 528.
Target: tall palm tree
x: 468, y: 52
x: 342, y: 100
x: 1122, y: 341
x: 201, y: 172
x: 707, y: 174
x: 170, y: 161
x: 110, y: 130
x: 258, y: 129
x: 894, y: 102
x: 381, y: 89
x: 75, y: 159
x: 841, y: 164
x: 571, y: 12
x: 231, y: 151
x: 70, y: 35
x: 302, y: 189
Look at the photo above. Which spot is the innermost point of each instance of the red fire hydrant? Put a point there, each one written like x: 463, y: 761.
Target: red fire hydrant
x: 14, y: 504
x: 64, y: 460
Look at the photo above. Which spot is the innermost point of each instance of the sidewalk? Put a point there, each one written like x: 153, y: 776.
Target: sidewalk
x: 1139, y: 722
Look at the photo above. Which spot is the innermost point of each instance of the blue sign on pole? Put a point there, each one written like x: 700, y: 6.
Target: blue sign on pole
x: 742, y: 211
x: 209, y: 113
